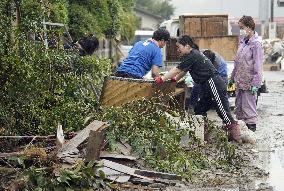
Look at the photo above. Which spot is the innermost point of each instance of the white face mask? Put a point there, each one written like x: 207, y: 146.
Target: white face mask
x: 243, y: 32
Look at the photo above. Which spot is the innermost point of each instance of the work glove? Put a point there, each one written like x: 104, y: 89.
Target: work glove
x: 188, y: 81
x: 159, y: 80
x: 230, y: 83
x: 253, y: 90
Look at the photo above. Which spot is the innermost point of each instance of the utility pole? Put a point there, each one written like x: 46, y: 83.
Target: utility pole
x: 271, y: 10
x: 264, y: 16
x: 272, y: 24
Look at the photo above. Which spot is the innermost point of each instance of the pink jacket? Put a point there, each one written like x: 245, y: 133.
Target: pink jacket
x: 248, y: 62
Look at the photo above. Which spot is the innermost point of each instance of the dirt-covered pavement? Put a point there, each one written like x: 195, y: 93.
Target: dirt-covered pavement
x: 265, y: 172
x: 269, y: 151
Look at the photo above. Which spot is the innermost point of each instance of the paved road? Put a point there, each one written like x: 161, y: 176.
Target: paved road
x: 270, y: 133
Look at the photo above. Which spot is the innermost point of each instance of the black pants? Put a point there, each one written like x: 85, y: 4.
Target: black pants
x: 126, y: 75
x: 214, y: 93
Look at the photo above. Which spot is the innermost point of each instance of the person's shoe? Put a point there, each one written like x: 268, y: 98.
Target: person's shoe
x: 251, y: 127
x: 234, y: 132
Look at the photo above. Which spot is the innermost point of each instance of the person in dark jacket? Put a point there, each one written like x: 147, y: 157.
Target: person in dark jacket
x: 214, y: 90
x: 85, y: 46
x: 221, y: 66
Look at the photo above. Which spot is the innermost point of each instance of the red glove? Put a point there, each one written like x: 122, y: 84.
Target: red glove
x: 173, y: 79
x: 159, y: 80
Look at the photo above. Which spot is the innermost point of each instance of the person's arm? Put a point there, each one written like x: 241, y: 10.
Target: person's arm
x: 180, y: 75
x: 180, y: 71
x: 157, y: 62
x: 177, y: 72
x: 171, y: 74
x: 155, y: 71
x: 257, y: 53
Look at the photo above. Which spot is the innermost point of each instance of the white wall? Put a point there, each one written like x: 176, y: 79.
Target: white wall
x: 148, y: 21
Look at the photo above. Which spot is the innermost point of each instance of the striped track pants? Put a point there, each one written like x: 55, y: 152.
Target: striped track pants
x: 214, y: 94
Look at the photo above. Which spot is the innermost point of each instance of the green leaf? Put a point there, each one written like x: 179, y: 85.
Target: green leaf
x: 102, y: 175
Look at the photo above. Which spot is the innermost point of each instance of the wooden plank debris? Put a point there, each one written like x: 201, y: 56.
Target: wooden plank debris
x: 107, y: 155
x: 124, y: 169
x: 59, y: 137
x: 11, y: 154
x: 114, y: 175
x: 28, y: 137
x: 157, y: 175
x: 143, y: 174
x: 121, y: 159
x: 70, y: 150
x: 95, y: 142
x: 124, y: 148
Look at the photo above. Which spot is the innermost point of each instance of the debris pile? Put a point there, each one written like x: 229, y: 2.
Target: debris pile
x: 273, y: 51
x: 126, y: 152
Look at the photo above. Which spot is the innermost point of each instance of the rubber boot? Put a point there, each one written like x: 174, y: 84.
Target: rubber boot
x: 234, y: 132
x: 251, y: 127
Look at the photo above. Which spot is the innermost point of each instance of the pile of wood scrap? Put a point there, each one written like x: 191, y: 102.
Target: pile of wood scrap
x: 117, y: 167
x: 89, y: 145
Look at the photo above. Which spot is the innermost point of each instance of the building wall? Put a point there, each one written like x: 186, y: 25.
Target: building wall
x: 147, y: 21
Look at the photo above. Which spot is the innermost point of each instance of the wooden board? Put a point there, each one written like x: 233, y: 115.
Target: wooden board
x: 226, y: 46
x: 171, y: 50
x: 215, y: 26
x: 118, y: 91
x: 191, y: 27
x: 69, y: 150
x: 203, y: 25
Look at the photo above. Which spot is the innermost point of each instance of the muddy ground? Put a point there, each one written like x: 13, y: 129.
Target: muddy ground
x: 265, y: 172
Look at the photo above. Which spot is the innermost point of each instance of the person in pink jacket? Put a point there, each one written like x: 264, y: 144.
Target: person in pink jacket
x: 247, y: 72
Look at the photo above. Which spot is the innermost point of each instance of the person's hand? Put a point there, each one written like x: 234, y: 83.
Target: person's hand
x: 253, y: 90
x: 159, y: 80
x: 230, y: 83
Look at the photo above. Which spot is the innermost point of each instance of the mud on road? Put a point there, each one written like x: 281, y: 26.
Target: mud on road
x: 265, y: 169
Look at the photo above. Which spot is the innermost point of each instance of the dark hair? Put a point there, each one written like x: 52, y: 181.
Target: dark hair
x: 89, y: 44
x: 211, y: 56
x: 248, y: 22
x: 161, y: 34
x: 187, y: 40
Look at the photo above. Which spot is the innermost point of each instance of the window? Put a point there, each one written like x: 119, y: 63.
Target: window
x: 280, y: 3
